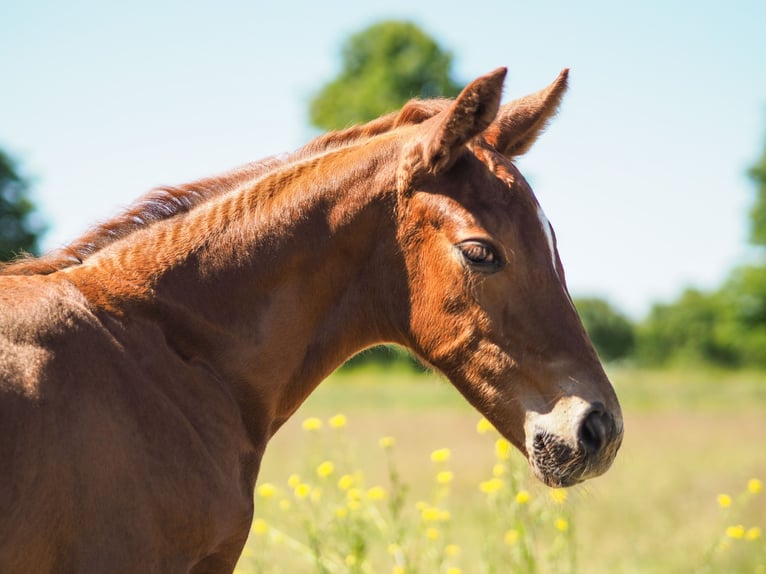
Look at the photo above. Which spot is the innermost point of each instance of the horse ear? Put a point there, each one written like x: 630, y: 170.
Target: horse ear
x: 450, y: 129
x: 470, y: 114
x: 520, y: 122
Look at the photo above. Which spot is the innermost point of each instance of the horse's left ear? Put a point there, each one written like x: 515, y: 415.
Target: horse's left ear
x: 469, y: 115
x: 520, y: 122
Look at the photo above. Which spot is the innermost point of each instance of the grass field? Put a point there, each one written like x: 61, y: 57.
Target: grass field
x: 690, y: 437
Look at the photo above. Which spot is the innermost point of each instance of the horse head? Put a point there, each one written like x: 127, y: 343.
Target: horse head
x: 489, y: 301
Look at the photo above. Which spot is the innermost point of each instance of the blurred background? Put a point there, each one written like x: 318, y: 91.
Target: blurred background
x: 653, y: 175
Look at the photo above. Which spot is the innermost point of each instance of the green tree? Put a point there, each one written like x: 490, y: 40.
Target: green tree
x: 696, y: 328
x: 20, y: 229
x: 383, y: 66
x: 758, y: 211
x: 612, y: 332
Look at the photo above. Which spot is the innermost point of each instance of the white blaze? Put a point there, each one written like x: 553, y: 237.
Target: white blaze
x: 548, y: 231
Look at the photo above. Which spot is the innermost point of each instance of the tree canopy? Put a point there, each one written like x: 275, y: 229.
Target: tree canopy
x: 19, y: 228
x: 383, y: 66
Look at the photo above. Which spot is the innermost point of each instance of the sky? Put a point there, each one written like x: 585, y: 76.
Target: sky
x: 643, y: 174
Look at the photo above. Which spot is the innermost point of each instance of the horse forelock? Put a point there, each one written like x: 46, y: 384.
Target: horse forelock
x: 167, y: 202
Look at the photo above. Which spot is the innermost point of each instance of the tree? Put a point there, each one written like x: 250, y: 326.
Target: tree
x: 611, y: 331
x: 758, y: 211
x: 19, y: 228
x: 383, y: 66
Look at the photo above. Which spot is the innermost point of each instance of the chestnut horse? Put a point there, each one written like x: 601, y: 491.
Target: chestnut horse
x: 144, y: 368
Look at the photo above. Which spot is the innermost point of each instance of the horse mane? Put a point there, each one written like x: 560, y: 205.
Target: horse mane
x: 172, y: 201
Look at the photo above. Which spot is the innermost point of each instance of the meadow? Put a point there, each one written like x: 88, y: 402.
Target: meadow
x: 393, y: 472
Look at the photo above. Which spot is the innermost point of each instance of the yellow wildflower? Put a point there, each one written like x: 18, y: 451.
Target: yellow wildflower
x: 430, y: 514
x: 444, y: 477
x: 338, y: 421
x: 451, y: 550
x: 753, y: 533
x: 341, y: 512
x: 490, y: 486
x: 325, y: 469
x: 440, y: 455
x: 260, y: 527
x: 523, y: 496
x: 345, y: 482
x: 502, y: 449
x: 293, y: 480
x: 724, y: 500
x: 736, y: 532
x: 302, y: 491
x: 561, y: 524
x: 511, y: 537
x: 267, y: 490
x: 754, y: 486
x: 454, y: 570
x: 498, y: 469
x: 558, y: 495
x: 484, y: 426
x: 432, y: 533
x: 350, y: 560
x: 312, y: 424
x: 398, y: 570
x: 387, y: 442
x: 376, y: 493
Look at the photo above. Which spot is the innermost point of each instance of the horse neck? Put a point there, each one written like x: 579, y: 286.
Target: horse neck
x: 274, y: 286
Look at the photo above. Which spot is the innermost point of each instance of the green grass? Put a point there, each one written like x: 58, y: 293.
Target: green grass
x: 689, y: 437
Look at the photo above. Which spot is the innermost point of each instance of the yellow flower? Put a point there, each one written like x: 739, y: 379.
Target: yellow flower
x: 502, y: 449
x: 325, y: 469
x: 561, y: 524
x: 432, y: 533
x: 444, y: 477
x: 754, y: 486
x: 341, y: 512
x: 724, y: 500
x: 753, y: 533
x: 387, y: 442
x: 484, y: 426
x: 260, y: 527
x: 293, y: 480
x: 558, y: 495
x: 302, y: 491
x: 398, y: 570
x: 440, y: 455
x: 430, y: 514
x: 376, y: 493
x: 451, y: 550
x: 312, y: 424
x: 350, y: 560
x: 490, y: 486
x: 267, y: 490
x: 511, y: 537
x: 523, y: 496
x: 736, y: 532
x: 444, y: 515
x: 345, y: 482
x: 454, y: 570
x: 498, y: 469
x: 338, y: 421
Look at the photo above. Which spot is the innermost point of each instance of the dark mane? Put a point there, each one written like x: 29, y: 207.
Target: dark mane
x: 173, y: 201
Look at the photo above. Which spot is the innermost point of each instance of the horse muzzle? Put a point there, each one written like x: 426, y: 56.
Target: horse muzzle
x: 565, y: 455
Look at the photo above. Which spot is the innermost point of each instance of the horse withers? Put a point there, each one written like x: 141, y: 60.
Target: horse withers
x: 144, y: 367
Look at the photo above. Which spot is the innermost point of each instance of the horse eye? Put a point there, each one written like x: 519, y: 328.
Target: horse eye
x: 479, y: 254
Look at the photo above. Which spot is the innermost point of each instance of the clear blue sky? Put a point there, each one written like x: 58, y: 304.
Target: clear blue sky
x: 642, y: 174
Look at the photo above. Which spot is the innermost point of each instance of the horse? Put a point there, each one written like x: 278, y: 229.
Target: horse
x: 144, y: 367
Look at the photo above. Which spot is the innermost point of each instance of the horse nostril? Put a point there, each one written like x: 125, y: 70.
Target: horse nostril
x: 595, y: 430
